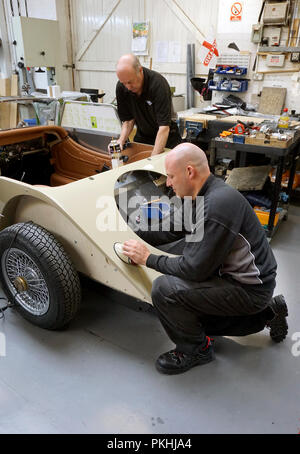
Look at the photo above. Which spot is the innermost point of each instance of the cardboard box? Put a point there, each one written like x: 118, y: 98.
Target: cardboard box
x: 5, y: 87
x: 264, y: 142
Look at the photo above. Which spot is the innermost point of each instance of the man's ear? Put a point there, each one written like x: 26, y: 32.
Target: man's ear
x: 190, y: 171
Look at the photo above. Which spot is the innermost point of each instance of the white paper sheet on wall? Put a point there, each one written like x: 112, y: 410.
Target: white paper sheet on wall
x: 168, y: 51
x: 174, y: 52
x: 162, y: 51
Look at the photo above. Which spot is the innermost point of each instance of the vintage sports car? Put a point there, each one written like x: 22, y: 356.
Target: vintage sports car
x: 60, y: 216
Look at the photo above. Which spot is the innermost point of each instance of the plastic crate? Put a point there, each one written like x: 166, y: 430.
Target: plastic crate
x: 219, y: 86
x: 231, y: 70
x: 155, y: 210
x: 264, y: 215
x: 238, y: 138
x: 243, y: 86
x: 224, y: 85
x: 30, y: 121
x: 240, y: 71
x: 212, y: 85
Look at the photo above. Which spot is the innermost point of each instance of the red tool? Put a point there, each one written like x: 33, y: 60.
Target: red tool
x: 244, y: 128
x: 239, y: 129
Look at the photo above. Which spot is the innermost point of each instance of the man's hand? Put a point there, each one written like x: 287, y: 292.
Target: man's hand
x: 126, y: 130
x: 121, y: 143
x: 136, y: 251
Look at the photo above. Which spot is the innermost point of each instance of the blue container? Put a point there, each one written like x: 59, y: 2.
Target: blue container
x: 231, y: 70
x: 212, y: 85
x: 238, y: 138
x: 242, y: 87
x: 155, y: 210
x: 30, y: 121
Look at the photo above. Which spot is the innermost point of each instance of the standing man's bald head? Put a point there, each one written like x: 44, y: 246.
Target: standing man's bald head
x: 130, y: 73
x: 128, y: 61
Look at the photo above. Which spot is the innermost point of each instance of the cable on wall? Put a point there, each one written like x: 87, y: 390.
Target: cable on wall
x: 12, y: 8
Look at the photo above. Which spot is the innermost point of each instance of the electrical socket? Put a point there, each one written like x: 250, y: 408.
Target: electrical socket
x: 296, y: 77
x: 258, y: 76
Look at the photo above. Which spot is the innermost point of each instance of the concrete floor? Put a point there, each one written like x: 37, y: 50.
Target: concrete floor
x: 98, y: 376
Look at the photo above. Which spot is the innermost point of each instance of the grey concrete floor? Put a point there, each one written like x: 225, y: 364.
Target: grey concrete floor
x: 98, y: 376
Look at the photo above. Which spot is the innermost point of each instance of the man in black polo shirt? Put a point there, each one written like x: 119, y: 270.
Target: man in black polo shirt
x: 144, y: 98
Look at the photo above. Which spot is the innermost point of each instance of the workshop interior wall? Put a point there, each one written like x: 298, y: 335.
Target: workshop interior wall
x: 96, y: 68
x: 240, y: 33
x: 5, y: 47
x: 95, y: 53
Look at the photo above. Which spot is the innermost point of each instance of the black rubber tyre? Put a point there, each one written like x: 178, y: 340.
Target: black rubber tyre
x: 51, y: 275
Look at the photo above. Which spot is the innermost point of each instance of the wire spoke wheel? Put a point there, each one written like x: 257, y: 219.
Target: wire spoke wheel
x: 38, y: 276
x: 25, y: 281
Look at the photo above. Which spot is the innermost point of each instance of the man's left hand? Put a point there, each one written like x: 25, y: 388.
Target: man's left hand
x: 136, y: 251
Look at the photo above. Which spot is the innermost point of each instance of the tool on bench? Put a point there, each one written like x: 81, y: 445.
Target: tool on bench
x: 240, y: 128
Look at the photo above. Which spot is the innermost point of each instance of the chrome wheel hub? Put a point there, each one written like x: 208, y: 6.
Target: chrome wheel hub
x: 21, y: 284
x: 25, y: 281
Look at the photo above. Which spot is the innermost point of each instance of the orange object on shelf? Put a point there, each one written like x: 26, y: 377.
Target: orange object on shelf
x: 263, y: 216
x: 285, y: 178
x: 225, y: 134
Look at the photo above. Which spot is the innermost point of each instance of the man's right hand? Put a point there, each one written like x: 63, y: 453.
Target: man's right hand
x: 119, y: 141
x: 121, y: 144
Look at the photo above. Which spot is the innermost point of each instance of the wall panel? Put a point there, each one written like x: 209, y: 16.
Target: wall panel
x: 95, y: 63
x: 96, y: 67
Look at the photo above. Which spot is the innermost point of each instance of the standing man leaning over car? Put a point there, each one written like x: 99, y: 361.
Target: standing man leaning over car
x: 144, y: 98
x: 222, y: 281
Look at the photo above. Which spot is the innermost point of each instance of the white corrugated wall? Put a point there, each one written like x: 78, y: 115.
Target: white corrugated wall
x: 101, y: 32
x: 95, y: 63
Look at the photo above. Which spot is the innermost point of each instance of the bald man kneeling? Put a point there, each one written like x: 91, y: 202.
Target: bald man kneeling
x: 221, y: 282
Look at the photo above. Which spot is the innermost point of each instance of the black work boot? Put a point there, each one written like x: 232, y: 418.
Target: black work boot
x: 175, y: 362
x: 278, y: 325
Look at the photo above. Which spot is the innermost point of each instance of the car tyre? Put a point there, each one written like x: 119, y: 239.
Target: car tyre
x: 38, y: 276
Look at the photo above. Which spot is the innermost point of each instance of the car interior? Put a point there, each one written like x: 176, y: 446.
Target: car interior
x: 51, y: 156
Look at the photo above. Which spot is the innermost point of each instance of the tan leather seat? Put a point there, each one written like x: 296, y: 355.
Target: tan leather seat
x: 59, y: 180
x: 73, y: 162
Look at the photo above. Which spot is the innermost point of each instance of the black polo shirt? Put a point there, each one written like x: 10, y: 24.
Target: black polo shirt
x: 152, y: 109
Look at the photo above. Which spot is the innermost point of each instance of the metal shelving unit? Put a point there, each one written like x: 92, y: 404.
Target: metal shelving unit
x: 278, y: 49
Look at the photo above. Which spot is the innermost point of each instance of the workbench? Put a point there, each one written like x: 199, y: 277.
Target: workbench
x: 200, y: 128
x: 240, y: 151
